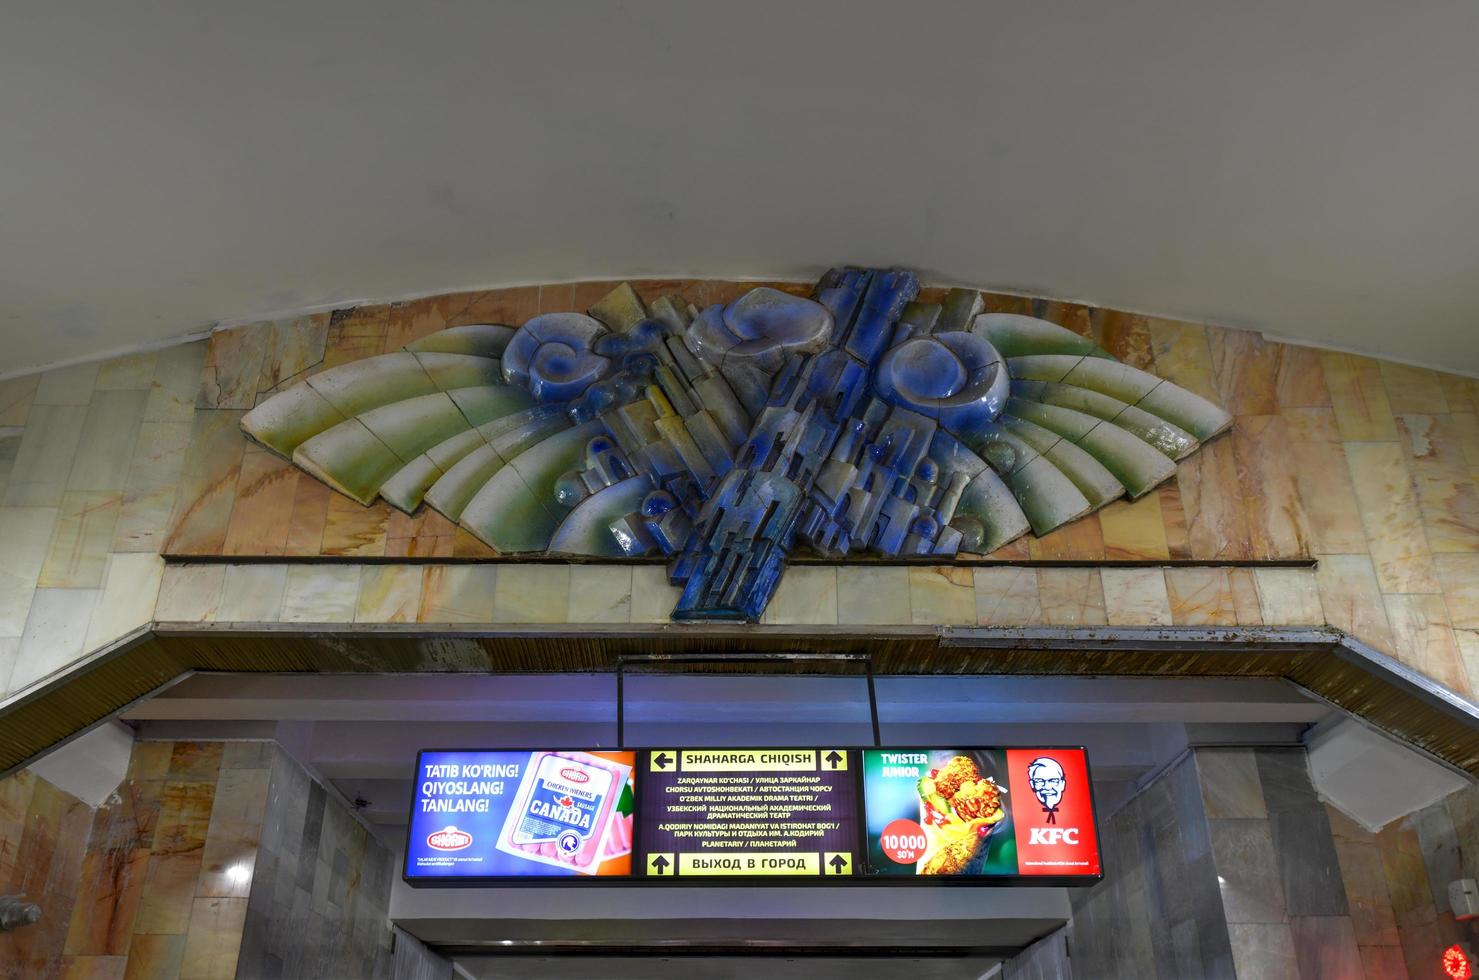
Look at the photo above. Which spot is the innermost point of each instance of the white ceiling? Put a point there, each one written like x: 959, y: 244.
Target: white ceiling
x: 1304, y: 169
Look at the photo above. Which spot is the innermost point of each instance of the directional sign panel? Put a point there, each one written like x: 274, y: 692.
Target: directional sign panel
x: 748, y: 813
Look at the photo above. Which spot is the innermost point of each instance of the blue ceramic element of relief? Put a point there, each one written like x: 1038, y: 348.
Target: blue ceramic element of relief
x: 724, y: 439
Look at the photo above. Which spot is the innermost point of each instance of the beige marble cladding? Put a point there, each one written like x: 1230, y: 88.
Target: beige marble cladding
x: 159, y: 882
x: 1363, y: 468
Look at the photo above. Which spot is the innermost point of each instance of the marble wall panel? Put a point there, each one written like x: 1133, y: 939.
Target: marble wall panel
x: 1424, y: 639
x: 176, y: 382
x: 1352, y: 599
x: 1393, y: 519
x: 1201, y: 597
x: 208, y: 481
x: 1322, y: 482
x: 27, y: 533
x: 132, y: 372
x: 1158, y: 913
x: 1231, y: 787
x: 1246, y: 603
x: 1447, y: 494
x: 71, y: 385
x: 122, y: 888
x: 1413, y: 390
x: 55, y: 634
x: 265, y: 490
x: 1071, y: 596
x: 79, y: 545
x: 253, y: 593
x: 1135, y: 597
x: 939, y: 594
x: 531, y: 594
x: 1377, y: 906
x: 105, y: 449
x: 1248, y: 866
x: 1007, y: 597
x: 653, y: 597
x: 388, y: 594
x: 1246, y: 370
x: 1264, y: 950
x: 1268, y: 475
x: 16, y: 396
x: 321, y: 594
x: 1081, y: 540
x: 603, y: 594
x: 352, y: 530
x: 1365, y: 882
x: 149, y: 489
x: 1459, y: 576
x: 1359, y: 397
x: 1216, y: 513
x: 425, y: 534
x: 1134, y: 531
x: 295, y: 345
x: 130, y: 590
x: 233, y: 367
x: 809, y: 598
x: 1300, y: 381
x: 190, y: 593
x: 1183, y: 355
x: 308, y: 518
x: 458, y: 593
x: 320, y: 894
x: 871, y: 595
x: 44, y: 460
x: 1288, y: 597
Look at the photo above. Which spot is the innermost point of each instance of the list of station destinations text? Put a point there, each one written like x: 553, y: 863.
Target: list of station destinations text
x: 748, y: 812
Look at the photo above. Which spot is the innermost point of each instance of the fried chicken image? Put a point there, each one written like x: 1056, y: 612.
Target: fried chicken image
x: 977, y: 800
x: 958, y: 770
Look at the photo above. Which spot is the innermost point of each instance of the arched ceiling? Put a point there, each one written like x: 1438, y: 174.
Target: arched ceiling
x: 1303, y: 169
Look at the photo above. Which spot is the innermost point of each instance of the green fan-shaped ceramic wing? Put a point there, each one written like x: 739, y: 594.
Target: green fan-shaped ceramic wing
x: 1080, y: 429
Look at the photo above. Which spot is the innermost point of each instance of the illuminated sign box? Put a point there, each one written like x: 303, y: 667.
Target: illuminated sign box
x: 979, y: 813
x: 520, y: 815
x: 726, y: 815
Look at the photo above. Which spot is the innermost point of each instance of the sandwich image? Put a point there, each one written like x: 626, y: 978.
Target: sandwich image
x: 959, y: 808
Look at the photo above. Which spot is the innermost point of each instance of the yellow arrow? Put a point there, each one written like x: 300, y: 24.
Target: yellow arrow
x: 836, y: 863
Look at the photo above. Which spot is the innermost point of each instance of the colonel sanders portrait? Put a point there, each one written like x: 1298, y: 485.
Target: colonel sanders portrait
x: 1045, y: 776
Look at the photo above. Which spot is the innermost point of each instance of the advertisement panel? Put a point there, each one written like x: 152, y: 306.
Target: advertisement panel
x: 518, y: 814
x: 971, y: 813
x: 897, y: 815
x: 748, y: 813
x: 1054, y: 812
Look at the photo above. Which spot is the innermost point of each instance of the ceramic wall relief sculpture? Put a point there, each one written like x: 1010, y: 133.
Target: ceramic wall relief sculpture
x: 723, y: 439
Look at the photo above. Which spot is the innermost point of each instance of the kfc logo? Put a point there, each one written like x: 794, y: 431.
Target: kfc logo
x: 1053, y: 835
x: 1053, y: 809
x: 1046, y: 778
